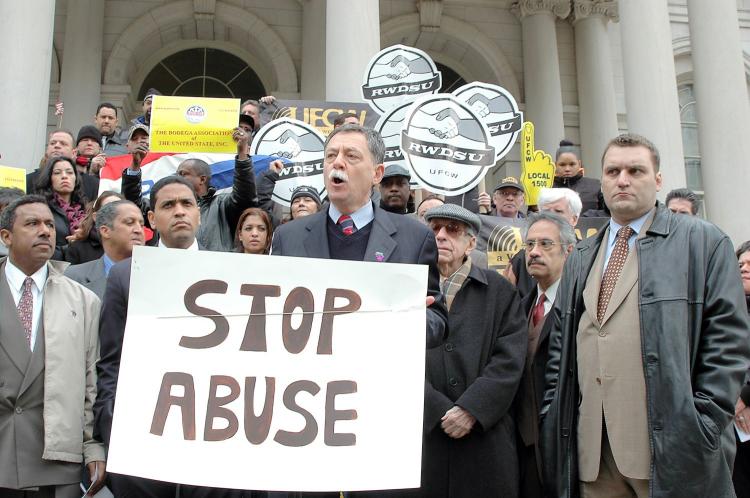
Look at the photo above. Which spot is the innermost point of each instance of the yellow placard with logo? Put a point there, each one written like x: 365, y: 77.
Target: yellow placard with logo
x: 537, y: 167
x: 193, y: 124
x: 13, y: 177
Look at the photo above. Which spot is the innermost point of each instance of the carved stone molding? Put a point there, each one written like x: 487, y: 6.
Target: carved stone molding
x: 430, y: 14
x: 524, y: 8
x: 203, y: 13
x: 588, y: 8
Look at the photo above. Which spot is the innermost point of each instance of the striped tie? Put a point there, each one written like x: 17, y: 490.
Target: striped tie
x: 346, y: 224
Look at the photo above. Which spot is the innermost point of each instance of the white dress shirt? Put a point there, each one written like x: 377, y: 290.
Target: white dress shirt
x: 15, y: 279
x: 549, y: 294
x: 193, y: 246
x: 361, y: 217
x: 636, y: 225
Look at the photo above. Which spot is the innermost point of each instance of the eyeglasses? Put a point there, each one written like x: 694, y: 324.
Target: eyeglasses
x: 545, y: 244
x: 452, y: 227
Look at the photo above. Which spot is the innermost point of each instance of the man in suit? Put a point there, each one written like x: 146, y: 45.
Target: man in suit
x: 120, y: 227
x: 648, y: 348
x: 48, y: 351
x: 354, y: 228
x: 549, y: 240
x: 175, y: 215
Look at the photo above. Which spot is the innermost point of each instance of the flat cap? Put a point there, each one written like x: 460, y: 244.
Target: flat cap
x: 396, y: 170
x: 457, y: 213
x: 509, y: 181
x: 306, y: 191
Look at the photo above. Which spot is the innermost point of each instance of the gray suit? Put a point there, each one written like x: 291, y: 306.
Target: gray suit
x: 91, y: 275
x: 21, y: 408
x: 394, y: 239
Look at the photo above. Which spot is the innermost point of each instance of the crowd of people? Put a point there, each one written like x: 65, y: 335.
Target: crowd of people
x: 614, y: 366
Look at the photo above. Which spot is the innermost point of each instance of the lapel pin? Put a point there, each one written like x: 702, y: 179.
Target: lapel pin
x: 379, y: 257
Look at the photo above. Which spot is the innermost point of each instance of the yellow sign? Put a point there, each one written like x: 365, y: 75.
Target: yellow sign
x: 193, y: 124
x: 13, y: 177
x: 537, y: 167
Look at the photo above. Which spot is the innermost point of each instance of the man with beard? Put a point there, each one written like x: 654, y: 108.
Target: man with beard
x: 394, y: 189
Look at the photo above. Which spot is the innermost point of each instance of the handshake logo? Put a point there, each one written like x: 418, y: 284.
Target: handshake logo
x: 397, y: 74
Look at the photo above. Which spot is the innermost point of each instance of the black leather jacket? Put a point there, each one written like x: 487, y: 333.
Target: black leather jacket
x: 695, y: 347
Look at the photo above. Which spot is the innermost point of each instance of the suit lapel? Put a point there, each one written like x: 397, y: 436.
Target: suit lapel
x: 12, y: 339
x: 315, y: 245
x: 594, y: 282
x: 36, y: 365
x: 381, y: 244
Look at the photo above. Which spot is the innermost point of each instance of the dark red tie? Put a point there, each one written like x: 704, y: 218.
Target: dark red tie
x: 347, y: 224
x: 537, y: 314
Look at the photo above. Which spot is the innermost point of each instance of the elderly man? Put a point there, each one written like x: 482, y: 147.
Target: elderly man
x: 469, y: 442
x: 354, y: 228
x: 683, y: 200
x: 394, y: 189
x: 305, y: 201
x: 549, y: 240
x: 49, y: 346
x: 508, y: 198
x: 120, y: 227
x: 105, y: 120
x: 648, y: 348
x: 562, y: 201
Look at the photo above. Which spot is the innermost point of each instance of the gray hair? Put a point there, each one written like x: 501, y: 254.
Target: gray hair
x: 567, y: 234
x: 199, y: 166
x: 107, y: 214
x: 550, y: 195
x: 374, y: 140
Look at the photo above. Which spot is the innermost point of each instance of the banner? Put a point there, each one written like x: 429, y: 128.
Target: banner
x: 301, y: 147
x: 271, y: 373
x: 13, y: 177
x: 317, y: 114
x: 193, y: 124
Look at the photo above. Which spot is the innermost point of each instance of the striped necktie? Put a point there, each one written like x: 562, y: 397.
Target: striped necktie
x: 347, y: 224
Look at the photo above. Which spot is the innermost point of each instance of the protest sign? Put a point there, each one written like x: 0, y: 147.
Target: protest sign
x: 500, y: 238
x: 588, y: 227
x: 273, y: 373
x: 193, y: 124
x: 301, y: 146
x: 13, y: 177
x: 397, y: 75
x: 537, y: 167
x: 318, y: 114
x: 446, y: 145
x: 498, y: 109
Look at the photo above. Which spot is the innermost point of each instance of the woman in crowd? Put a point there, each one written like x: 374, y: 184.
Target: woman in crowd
x: 86, y: 245
x: 253, y: 233
x: 569, y: 174
x: 741, y: 474
x: 61, y: 184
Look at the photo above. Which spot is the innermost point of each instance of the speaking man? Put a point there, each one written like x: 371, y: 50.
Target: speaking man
x: 648, y: 348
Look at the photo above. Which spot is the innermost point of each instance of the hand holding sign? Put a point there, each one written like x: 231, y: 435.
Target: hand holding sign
x: 538, y: 169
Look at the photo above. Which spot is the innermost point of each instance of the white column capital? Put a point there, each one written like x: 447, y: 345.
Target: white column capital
x: 606, y: 9
x: 525, y: 8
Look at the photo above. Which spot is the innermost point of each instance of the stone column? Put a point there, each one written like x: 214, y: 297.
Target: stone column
x: 541, y: 69
x: 721, y: 101
x: 81, y: 75
x: 352, y: 37
x: 313, y: 83
x: 596, y: 87
x: 651, y: 84
x: 26, y: 60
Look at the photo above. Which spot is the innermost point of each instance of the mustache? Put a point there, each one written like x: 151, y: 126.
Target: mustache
x: 338, y: 174
x: 535, y: 260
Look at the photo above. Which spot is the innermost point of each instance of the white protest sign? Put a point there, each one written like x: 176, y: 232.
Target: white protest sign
x: 389, y: 126
x: 397, y: 75
x: 301, y: 146
x: 271, y: 373
x: 446, y: 144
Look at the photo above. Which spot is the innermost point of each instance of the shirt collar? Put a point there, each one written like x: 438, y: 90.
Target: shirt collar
x: 193, y: 246
x: 361, y: 217
x: 636, y: 225
x: 550, y: 293
x: 107, y: 264
x: 16, y: 277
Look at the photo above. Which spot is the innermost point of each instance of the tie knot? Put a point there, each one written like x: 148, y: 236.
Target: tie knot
x: 625, y: 232
x: 27, y: 283
x: 347, y: 224
x: 542, y: 298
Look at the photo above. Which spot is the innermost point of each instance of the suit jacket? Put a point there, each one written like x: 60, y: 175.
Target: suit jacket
x: 394, y: 239
x: 46, y: 395
x: 91, y: 275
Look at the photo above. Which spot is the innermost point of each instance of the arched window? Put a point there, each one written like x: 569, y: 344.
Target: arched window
x: 204, y: 72
x: 451, y: 79
x: 690, y: 146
